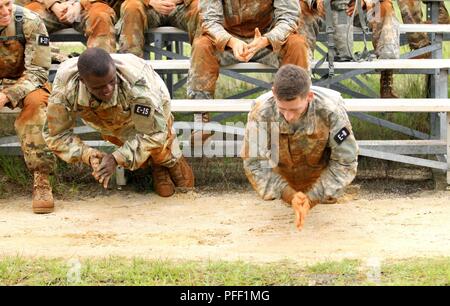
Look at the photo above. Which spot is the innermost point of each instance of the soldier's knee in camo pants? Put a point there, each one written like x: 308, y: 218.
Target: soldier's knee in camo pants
x: 309, y: 26
x: 411, y: 11
x: 166, y: 156
x: 385, y: 28
x: 131, y: 27
x: 97, y: 23
x: 99, y: 29
x: 295, y: 51
x: 51, y: 22
x: 204, y: 66
x: 444, y: 18
x: 29, y: 126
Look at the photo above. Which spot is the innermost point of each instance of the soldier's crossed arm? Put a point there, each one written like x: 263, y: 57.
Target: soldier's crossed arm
x: 287, y: 16
x: 213, y: 21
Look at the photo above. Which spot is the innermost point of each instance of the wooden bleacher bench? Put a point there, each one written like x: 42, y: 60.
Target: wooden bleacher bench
x: 394, y: 150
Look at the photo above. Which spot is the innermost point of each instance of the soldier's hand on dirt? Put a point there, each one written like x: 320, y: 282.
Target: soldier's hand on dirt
x: 106, y: 169
x: 301, y: 205
x: 59, y: 9
x: 164, y: 7
x: 72, y: 14
x: 3, y: 100
x: 240, y: 49
x: 258, y: 43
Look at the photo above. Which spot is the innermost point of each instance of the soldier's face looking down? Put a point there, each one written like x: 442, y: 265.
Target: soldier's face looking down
x: 293, y: 109
x: 6, y: 7
x: 102, y: 87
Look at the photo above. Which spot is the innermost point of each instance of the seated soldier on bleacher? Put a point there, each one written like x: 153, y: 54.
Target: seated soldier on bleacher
x: 412, y: 14
x: 92, y: 17
x: 243, y: 31
x: 137, y: 16
x: 314, y: 154
x: 380, y: 18
x: 120, y: 96
x: 24, y: 64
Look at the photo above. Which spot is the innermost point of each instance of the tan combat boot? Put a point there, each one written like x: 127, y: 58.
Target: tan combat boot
x: 42, y: 194
x: 162, y: 184
x: 387, y: 85
x: 199, y: 137
x: 182, y: 174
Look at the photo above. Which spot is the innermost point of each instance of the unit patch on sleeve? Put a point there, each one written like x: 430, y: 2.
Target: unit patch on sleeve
x: 341, y: 135
x: 142, y: 110
x: 43, y: 40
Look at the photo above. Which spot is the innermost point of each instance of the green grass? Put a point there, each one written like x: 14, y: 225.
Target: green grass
x: 14, y: 169
x: 418, y: 272
x: 121, y: 271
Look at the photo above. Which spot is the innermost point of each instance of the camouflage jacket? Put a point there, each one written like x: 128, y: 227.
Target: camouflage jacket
x: 137, y: 115
x: 316, y: 155
x: 276, y: 19
x: 36, y: 61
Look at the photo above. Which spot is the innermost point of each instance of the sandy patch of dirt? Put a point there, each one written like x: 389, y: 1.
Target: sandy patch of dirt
x: 228, y: 226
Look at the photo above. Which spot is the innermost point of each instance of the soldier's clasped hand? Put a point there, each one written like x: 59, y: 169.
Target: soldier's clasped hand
x: 3, y: 100
x: 301, y: 205
x: 258, y: 43
x: 105, y: 170
x: 164, y: 7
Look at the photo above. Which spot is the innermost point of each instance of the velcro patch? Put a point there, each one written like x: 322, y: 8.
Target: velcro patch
x: 142, y: 110
x: 43, y: 40
x: 341, y: 135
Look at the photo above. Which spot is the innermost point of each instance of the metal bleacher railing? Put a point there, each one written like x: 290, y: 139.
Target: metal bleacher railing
x: 168, y: 42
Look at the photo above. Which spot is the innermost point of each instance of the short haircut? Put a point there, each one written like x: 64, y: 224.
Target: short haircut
x: 290, y: 82
x: 94, y: 61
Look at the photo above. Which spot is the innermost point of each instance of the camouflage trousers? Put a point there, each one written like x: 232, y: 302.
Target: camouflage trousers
x: 136, y: 18
x: 411, y: 11
x: 380, y: 18
x: 28, y: 126
x: 167, y: 155
x: 206, y: 61
x: 97, y: 24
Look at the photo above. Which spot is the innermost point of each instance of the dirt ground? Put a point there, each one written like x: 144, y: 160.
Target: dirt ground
x: 229, y: 226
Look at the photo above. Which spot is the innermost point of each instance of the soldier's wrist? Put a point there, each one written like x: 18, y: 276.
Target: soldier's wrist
x: 119, y: 158
x: 312, y: 200
x: 287, y: 194
x: 87, y: 154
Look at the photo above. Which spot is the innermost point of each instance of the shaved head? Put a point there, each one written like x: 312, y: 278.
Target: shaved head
x: 95, y: 61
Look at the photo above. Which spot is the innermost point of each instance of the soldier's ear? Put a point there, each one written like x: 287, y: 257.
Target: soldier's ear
x: 310, y: 96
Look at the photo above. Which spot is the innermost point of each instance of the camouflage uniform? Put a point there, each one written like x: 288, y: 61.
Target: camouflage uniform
x: 381, y: 19
x: 23, y: 75
x: 138, y: 117
x: 97, y: 20
x: 223, y: 19
x: 316, y: 155
x: 411, y: 11
x: 136, y: 16
x: 309, y: 25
